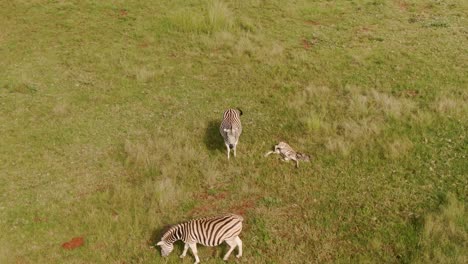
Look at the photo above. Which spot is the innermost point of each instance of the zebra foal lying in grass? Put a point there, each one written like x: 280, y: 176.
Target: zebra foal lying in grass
x: 288, y: 153
x: 209, y: 231
x: 231, y: 129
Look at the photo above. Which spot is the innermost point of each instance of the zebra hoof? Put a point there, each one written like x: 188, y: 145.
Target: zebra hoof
x: 238, y: 256
x: 182, y: 256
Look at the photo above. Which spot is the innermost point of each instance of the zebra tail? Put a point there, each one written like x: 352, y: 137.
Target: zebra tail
x: 240, y: 111
x: 240, y: 218
x: 236, y: 216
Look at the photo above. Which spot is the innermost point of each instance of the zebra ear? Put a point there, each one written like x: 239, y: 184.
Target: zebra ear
x: 160, y: 243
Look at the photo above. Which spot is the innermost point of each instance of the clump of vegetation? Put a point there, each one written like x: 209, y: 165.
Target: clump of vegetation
x: 444, y: 237
x: 215, y: 16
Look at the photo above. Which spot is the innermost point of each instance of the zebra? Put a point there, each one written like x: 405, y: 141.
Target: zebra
x: 231, y: 129
x: 288, y: 153
x: 208, y: 231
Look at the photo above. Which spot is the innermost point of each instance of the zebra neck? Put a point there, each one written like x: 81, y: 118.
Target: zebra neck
x: 176, y: 234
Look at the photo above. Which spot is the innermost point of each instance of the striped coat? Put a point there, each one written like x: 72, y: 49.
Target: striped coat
x: 288, y: 153
x: 209, y: 231
x: 231, y: 129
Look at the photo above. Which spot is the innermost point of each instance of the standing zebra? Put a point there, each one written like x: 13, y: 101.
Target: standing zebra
x: 231, y: 129
x: 209, y: 231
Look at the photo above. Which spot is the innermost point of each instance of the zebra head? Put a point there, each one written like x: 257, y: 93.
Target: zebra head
x: 232, y: 137
x: 166, y: 248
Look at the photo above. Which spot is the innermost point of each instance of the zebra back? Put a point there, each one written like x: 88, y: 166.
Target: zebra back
x: 287, y: 151
x: 284, y: 145
x: 231, y: 119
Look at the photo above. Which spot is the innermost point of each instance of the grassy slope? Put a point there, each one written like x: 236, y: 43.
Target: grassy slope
x: 109, y: 116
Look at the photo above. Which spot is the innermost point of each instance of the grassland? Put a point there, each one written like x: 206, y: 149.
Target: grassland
x: 109, y: 113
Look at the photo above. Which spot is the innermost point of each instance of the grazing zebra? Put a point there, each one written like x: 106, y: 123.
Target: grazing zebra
x: 209, y: 231
x: 231, y: 129
x: 288, y: 153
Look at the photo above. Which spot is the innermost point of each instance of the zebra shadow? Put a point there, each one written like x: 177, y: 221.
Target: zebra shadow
x: 213, y: 140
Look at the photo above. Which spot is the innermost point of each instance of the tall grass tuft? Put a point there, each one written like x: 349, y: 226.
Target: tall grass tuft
x: 345, y: 119
x: 398, y: 148
x: 452, y: 105
x: 168, y: 193
x: 445, y: 235
x: 187, y: 21
x: 219, y: 17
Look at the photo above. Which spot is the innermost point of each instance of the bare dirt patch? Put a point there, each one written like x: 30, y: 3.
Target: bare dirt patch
x: 73, y: 243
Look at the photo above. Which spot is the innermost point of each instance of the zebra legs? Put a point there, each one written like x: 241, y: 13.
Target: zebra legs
x: 277, y: 151
x: 186, y: 246
x: 297, y: 163
x: 193, y: 247
x: 239, y: 244
x: 233, y: 242
x: 232, y: 245
x: 228, y: 149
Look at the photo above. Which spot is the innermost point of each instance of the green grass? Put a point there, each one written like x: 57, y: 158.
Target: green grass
x: 109, y: 114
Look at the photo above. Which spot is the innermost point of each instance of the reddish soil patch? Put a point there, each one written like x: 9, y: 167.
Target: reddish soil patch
x: 123, y: 12
x: 143, y: 45
x: 307, y: 44
x: 203, y: 210
x: 74, y: 243
x: 402, y: 5
x: 245, y: 206
x: 208, y: 203
x: 364, y: 29
x: 38, y: 219
x: 312, y: 23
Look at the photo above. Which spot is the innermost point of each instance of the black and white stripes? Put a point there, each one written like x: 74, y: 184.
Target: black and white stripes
x: 231, y: 129
x: 288, y: 153
x: 210, y: 231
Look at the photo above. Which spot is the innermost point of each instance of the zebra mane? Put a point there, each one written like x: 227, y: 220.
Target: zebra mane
x: 169, y: 233
x: 218, y: 216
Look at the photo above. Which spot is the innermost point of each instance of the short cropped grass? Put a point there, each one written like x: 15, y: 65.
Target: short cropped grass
x: 109, y: 115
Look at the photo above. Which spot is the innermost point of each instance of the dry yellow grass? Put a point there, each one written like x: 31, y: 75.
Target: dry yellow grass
x: 220, y: 16
x: 398, y: 148
x: 445, y: 234
x: 348, y: 120
x: 452, y: 105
